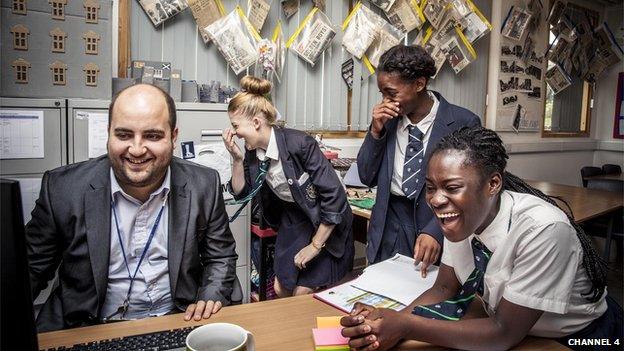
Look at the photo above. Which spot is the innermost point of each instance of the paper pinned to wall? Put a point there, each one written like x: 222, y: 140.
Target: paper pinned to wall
x: 98, y: 132
x: 21, y: 134
x: 215, y: 156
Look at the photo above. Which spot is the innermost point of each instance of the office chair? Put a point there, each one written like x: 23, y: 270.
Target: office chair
x: 589, y: 171
x: 608, y: 168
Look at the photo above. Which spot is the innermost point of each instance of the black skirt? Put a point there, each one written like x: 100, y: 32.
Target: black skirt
x: 296, y: 232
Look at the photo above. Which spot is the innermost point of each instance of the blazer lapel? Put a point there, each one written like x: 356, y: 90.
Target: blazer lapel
x: 287, y: 164
x: 179, y: 210
x: 98, y: 225
x: 444, y: 118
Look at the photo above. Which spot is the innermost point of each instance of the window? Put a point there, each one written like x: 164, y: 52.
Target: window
x: 91, y: 42
x: 20, y: 37
x: 19, y: 7
x: 567, y: 113
x: 59, y: 73
x: 91, y: 72
x: 91, y: 11
x: 21, y: 70
x: 58, y: 9
x: 58, y: 40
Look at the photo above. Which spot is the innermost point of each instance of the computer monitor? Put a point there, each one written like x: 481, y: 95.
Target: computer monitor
x: 16, y: 308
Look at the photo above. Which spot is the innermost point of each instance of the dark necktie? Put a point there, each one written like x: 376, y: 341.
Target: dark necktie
x: 262, y: 171
x: 454, y: 308
x: 412, y: 174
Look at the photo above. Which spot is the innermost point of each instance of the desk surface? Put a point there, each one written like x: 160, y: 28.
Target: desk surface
x: 619, y: 177
x: 585, y: 203
x: 284, y: 324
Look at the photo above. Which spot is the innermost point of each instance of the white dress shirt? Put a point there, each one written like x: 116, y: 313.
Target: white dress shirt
x: 275, y: 175
x: 537, y: 262
x: 151, y: 291
x: 402, y: 136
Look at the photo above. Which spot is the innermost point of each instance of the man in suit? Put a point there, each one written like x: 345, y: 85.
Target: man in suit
x: 405, y: 128
x: 135, y: 233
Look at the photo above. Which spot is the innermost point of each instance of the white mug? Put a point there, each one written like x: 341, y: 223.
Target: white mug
x: 220, y: 337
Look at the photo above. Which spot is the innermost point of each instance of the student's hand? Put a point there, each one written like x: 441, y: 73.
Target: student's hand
x: 231, y: 146
x: 381, y: 330
x: 382, y: 113
x: 202, y: 309
x: 426, y: 251
x: 361, y: 309
x: 306, y: 255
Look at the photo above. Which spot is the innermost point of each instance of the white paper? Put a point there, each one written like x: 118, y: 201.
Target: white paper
x: 352, y: 177
x: 21, y: 134
x: 215, y: 156
x: 345, y: 296
x: 29, y: 189
x: 397, y: 278
x: 98, y: 132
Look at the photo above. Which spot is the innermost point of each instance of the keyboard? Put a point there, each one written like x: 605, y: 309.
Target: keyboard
x: 164, y: 340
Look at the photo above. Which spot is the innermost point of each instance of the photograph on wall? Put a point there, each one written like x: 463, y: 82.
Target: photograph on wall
x: 161, y: 10
x: 383, y: 4
x: 435, y: 11
x: 405, y: 16
x: 456, y: 55
x: 516, y: 23
x: 205, y: 13
x: 557, y: 79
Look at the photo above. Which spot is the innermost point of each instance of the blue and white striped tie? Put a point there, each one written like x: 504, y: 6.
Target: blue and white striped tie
x: 412, y: 174
x: 262, y: 171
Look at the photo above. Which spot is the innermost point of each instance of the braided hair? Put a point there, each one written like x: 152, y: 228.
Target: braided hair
x: 485, y: 151
x: 409, y: 62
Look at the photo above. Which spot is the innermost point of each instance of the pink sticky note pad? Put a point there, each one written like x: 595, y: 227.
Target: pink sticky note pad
x: 329, y: 336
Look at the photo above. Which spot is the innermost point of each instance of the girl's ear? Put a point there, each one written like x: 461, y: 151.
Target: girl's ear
x: 256, y: 122
x: 495, y: 184
x: 421, y: 84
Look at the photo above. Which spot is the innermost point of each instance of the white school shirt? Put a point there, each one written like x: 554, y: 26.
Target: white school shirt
x: 537, y: 263
x: 402, y: 136
x: 275, y: 177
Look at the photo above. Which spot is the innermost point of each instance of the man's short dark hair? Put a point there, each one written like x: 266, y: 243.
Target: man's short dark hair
x: 168, y: 99
x: 409, y: 62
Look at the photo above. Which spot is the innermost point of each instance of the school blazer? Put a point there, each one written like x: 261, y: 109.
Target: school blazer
x: 375, y: 162
x: 70, y: 230
x: 321, y: 196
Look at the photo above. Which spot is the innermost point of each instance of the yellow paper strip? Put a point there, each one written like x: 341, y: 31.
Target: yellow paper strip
x: 251, y: 28
x: 345, y: 23
x: 368, y: 64
x: 277, y: 31
x: 463, y: 38
x: 296, y: 33
x: 476, y: 10
x: 221, y: 8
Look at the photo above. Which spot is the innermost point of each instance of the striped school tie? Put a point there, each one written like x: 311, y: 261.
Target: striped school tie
x: 455, y: 308
x: 262, y: 172
x: 412, y: 174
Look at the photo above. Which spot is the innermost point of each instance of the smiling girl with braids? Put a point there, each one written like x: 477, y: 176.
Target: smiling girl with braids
x: 532, y: 270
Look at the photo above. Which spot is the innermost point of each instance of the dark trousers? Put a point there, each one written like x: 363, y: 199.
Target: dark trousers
x: 608, y: 327
x: 400, y: 230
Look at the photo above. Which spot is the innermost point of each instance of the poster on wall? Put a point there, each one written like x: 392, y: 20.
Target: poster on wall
x: 618, y: 123
x: 522, y: 66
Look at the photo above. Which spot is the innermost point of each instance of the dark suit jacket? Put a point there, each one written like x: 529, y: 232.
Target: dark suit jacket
x: 321, y: 197
x: 70, y: 230
x: 376, y: 162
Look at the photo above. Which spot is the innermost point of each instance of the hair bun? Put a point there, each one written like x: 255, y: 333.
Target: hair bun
x: 254, y: 85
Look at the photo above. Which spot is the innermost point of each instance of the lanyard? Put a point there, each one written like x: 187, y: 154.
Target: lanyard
x: 124, y: 308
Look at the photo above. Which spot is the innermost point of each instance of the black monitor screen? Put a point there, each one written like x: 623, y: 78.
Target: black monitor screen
x: 17, y: 323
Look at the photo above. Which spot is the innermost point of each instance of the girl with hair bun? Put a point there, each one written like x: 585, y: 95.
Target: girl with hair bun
x: 299, y: 193
x: 405, y: 126
x: 514, y: 264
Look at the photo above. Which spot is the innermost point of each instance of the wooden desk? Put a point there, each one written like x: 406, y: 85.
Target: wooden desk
x: 619, y: 177
x: 284, y: 324
x: 585, y: 203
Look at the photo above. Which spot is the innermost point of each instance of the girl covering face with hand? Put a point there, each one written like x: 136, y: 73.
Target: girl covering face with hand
x: 514, y: 264
x: 299, y: 193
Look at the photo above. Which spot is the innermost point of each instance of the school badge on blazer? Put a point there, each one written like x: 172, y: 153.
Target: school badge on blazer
x: 311, y: 192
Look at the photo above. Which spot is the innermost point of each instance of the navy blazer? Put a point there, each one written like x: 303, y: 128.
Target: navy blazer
x: 321, y: 197
x: 376, y: 162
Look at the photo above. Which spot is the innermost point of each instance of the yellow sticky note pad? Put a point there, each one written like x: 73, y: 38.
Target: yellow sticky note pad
x: 333, y: 348
x: 328, y: 322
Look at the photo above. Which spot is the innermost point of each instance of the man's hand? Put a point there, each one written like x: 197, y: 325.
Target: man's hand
x: 426, y: 251
x: 382, y: 113
x: 306, y: 255
x: 202, y: 309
